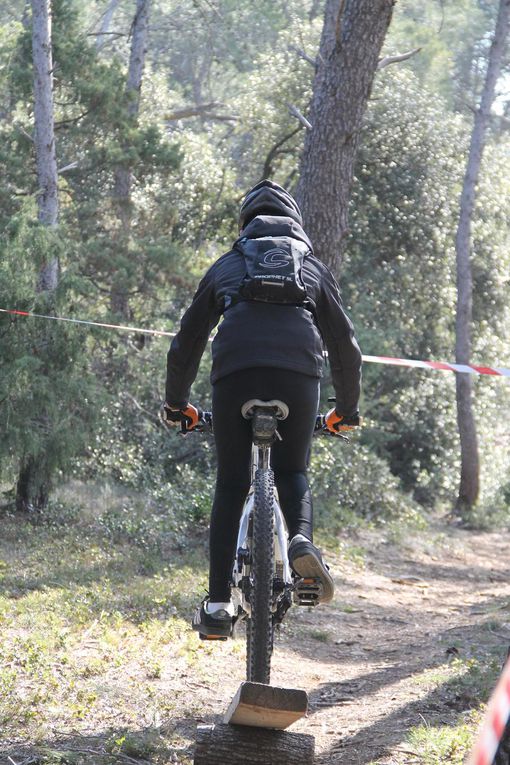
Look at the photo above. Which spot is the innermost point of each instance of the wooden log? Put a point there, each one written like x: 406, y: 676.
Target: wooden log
x: 241, y: 745
x: 265, y: 706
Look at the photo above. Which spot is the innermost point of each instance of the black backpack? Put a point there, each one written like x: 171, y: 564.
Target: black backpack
x: 273, y: 270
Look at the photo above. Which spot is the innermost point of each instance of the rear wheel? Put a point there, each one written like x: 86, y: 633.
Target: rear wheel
x: 259, y: 628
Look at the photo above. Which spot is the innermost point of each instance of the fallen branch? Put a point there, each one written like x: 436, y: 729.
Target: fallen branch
x: 296, y: 113
x: 387, y: 60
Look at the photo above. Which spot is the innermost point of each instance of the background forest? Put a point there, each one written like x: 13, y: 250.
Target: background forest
x: 165, y: 113
x: 149, y: 186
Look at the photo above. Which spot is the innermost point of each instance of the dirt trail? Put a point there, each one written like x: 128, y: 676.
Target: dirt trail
x: 371, y: 660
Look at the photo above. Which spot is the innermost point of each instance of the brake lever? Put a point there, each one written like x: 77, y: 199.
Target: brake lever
x: 337, y: 435
x: 204, y: 425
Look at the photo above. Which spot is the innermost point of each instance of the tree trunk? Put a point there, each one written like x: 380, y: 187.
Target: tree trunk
x: 470, y: 467
x: 106, y: 21
x: 32, y: 488
x: 123, y: 174
x: 352, y: 37
x: 137, y: 54
x: 46, y: 160
x: 235, y: 744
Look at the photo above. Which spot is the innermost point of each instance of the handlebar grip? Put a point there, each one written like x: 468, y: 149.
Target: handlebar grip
x: 204, y: 425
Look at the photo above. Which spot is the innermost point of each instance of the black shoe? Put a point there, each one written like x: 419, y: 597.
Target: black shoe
x: 215, y: 626
x: 306, y: 561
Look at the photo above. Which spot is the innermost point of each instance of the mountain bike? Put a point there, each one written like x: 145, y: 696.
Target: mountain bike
x: 263, y: 585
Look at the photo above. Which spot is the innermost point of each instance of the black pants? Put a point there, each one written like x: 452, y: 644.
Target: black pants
x: 289, y: 459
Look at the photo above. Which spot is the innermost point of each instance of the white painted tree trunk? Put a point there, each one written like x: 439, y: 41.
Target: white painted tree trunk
x: 470, y: 465
x: 46, y: 161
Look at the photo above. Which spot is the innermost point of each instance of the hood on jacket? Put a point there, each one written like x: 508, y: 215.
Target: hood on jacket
x: 268, y: 198
x: 274, y: 225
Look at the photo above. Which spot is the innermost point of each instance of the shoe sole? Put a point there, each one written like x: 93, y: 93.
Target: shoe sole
x: 211, y: 637
x: 212, y: 633
x: 308, y: 566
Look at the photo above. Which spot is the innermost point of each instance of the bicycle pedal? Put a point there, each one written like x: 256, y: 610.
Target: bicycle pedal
x: 307, y: 592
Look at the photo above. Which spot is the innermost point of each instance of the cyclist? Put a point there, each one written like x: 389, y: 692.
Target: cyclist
x: 264, y: 350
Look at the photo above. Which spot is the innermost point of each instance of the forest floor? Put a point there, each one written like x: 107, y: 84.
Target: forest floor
x: 99, y: 666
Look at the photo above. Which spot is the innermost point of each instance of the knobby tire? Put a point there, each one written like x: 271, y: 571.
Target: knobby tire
x: 259, y: 632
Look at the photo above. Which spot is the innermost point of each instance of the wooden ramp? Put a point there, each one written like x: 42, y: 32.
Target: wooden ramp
x: 252, y: 732
x: 264, y: 706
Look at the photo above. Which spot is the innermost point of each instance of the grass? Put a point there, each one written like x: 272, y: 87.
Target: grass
x: 461, y: 684
x: 435, y: 745
x: 322, y: 636
x: 97, y: 658
x: 94, y: 626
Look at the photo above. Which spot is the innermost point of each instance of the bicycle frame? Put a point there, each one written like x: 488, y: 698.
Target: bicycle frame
x: 287, y: 587
x: 261, y: 456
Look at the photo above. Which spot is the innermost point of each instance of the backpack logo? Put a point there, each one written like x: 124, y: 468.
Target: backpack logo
x: 275, y: 258
x: 273, y: 270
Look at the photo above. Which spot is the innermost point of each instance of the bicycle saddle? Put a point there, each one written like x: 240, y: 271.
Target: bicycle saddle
x: 281, y: 409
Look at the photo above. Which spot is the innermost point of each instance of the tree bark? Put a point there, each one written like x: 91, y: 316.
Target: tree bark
x: 352, y: 37
x: 138, y: 51
x: 46, y: 160
x: 106, y: 21
x: 123, y: 174
x: 33, y: 485
x: 235, y: 744
x: 470, y: 465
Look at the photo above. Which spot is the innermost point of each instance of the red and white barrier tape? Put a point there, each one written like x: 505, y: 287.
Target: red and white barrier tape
x: 122, y: 327
x: 440, y: 366
x: 494, y: 722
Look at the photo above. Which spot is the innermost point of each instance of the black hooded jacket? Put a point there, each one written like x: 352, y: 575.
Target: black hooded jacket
x: 255, y: 334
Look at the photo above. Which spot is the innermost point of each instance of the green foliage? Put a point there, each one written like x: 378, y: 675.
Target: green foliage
x: 188, y: 176
x: 466, y: 683
x: 268, y: 138
x: 453, y: 40
x: 442, y: 744
x: 351, y: 485
x: 404, y: 214
x: 78, y: 609
x: 45, y: 389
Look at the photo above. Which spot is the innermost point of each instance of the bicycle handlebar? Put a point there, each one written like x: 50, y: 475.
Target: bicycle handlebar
x: 322, y: 430
x: 205, y: 425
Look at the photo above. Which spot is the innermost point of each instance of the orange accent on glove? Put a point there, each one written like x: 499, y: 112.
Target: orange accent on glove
x: 193, y: 416
x: 333, y: 422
